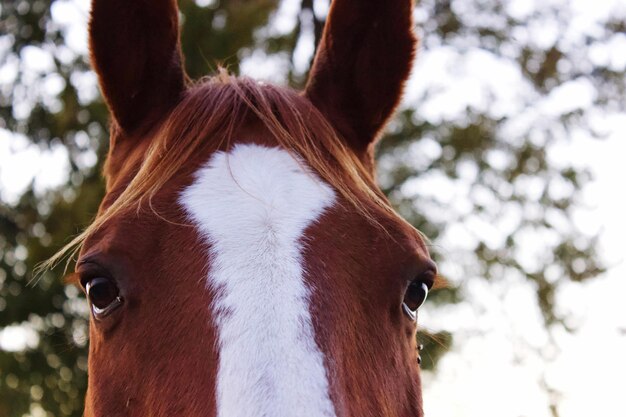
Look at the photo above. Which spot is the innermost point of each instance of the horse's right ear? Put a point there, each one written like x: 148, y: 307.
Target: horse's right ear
x: 135, y: 51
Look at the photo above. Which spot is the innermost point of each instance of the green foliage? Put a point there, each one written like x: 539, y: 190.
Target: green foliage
x: 220, y: 33
x: 50, y: 372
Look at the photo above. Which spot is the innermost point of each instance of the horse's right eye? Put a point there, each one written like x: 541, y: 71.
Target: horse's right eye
x: 417, y: 291
x: 104, y: 296
x: 414, y: 297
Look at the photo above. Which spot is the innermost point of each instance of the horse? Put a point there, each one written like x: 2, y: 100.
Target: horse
x: 243, y: 261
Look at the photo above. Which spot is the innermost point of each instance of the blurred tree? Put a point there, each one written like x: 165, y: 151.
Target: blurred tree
x: 489, y: 152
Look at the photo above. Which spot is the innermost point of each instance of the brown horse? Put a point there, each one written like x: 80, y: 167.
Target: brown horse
x: 243, y: 262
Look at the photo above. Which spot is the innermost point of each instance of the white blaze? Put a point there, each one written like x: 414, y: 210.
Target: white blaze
x: 252, y: 206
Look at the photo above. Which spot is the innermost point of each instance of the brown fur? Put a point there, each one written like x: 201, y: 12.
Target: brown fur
x: 156, y: 355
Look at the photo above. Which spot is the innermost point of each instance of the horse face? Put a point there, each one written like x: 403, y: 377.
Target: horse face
x: 252, y: 286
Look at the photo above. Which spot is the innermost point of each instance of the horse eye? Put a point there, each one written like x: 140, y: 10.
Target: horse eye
x: 414, y: 297
x: 103, y: 295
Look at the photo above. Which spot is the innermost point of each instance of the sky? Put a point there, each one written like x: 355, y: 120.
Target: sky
x: 498, y: 365
x: 494, y: 374
x: 496, y: 368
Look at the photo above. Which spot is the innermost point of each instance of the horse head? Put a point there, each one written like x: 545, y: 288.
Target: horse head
x: 243, y: 261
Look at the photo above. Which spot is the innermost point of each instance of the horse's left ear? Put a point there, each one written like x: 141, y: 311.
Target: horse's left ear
x: 135, y: 51
x: 362, y: 63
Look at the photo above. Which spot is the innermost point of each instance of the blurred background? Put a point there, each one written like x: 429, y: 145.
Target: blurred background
x: 508, y: 152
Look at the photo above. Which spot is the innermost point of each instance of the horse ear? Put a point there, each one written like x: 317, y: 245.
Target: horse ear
x: 363, y: 60
x: 135, y: 51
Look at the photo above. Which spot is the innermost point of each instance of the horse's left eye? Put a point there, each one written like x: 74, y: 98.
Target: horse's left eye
x: 414, y: 297
x: 104, y: 296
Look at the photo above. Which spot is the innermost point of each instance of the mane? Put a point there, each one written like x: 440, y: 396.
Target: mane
x: 206, y: 119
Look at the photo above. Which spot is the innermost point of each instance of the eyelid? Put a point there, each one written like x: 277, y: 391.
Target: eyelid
x: 428, y: 277
x: 87, y: 264
x: 88, y: 270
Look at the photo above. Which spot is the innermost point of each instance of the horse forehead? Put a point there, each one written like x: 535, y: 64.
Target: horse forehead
x: 258, y: 184
x: 264, y: 178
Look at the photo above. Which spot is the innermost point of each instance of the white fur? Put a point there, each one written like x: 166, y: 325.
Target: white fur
x: 252, y: 206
